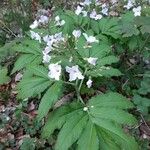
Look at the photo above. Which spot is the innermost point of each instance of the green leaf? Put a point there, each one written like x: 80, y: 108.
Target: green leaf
x: 50, y: 97
x: 30, y: 87
x: 71, y: 131
x: 108, y: 60
x: 142, y: 104
x: 100, y: 50
x: 111, y: 99
x: 109, y: 27
x: 127, y: 25
x: 28, y: 46
x: 25, y: 60
x: 3, y: 76
x: 99, y: 126
x: 95, y: 26
x: 143, y: 23
x: 88, y: 140
x: 113, y: 114
x: 58, y: 117
x: 104, y: 71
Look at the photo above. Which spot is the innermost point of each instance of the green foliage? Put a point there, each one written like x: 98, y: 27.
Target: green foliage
x: 28, y: 144
x: 97, y: 124
x: 143, y: 104
x: 110, y: 27
x: 50, y: 97
x: 145, y: 84
x: 4, y: 78
x: 31, y: 53
x: 110, y: 57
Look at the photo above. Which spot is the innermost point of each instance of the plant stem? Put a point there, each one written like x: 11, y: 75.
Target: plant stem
x: 80, y: 85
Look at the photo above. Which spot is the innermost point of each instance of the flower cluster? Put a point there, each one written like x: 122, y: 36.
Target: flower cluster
x: 104, y: 8
x: 41, y: 19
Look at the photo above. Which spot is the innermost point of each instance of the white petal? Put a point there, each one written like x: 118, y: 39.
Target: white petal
x: 34, y: 25
x: 89, y: 83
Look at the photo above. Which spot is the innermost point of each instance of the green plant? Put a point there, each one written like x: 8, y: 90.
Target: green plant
x: 69, y: 54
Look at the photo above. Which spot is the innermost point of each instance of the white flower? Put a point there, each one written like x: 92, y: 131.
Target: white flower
x: 47, y: 49
x: 46, y: 58
x: 58, y: 37
x: 57, y: 18
x: 89, y: 83
x: 78, y: 10
x: 85, y: 108
x: 91, y: 60
x: 94, y: 15
x: 76, y: 33
x: 54, y: 71
x: 137, y: 11
x: 70, y: 59
x: 34, y: 24
x: 90, y: 39
x: 35, y: 36
x: 86, y: 2
x: 130, y: 4
x: 105, y: 9
x: 43, y: 19
x: 59, y: 22
x: 74, y: 73
x: 18, y: 77
x: 84, y: 13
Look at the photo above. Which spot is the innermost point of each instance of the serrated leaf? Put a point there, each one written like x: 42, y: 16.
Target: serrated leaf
x: 88, y: 139
x: 39, y: 71
x: 28, y: 46
x: 71, y: 131
x: 24, y: 60
x: 95, y: 26
x: 108, y: 60
x: 96, y: 127
x: 50, y: 97
x: 113, y: 114
x: 109, y: 27
x: 104, y: 71
x: 111, y: 99
x: 30, y: 87
x: 58, y: 117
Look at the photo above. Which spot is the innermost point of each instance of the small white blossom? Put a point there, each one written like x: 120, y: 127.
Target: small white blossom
x: 47, y: 49
x: 92, y: 106
x: 89, y: 83
x: 85, y: 108
x: 90, y: 39
x: 35, y: 36
x: 137, y: 11
x: 84, y: 13
x: 78, y: 10
x: 70, y: 59
x: 57, y: 18
x: 76, y: 33
x: 18, y: 77
x: 94, y: 15
x: 54, y: 71
x: 74, y: 73
x: 91, y: 60
x: 34, y: 24
x: 46, y: 58
x: 59, y: 22
x: 43, y: 19
x: 130, y: 4
x: 105, y: 9
x: 86, y: 2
